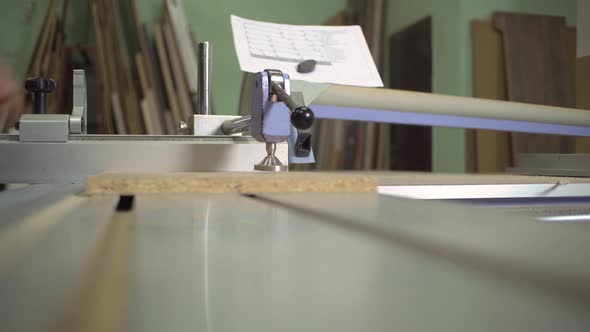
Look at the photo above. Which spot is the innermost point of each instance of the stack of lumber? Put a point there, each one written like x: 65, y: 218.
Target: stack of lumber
x: 145, y: 76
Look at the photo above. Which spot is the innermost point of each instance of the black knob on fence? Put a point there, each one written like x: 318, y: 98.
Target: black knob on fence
x: 40, y: 87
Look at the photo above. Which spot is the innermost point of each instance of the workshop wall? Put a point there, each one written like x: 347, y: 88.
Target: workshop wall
x: 20, y: 22
x: 452, y: 58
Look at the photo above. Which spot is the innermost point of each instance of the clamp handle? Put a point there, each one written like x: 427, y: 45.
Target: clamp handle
x: 302, y: 117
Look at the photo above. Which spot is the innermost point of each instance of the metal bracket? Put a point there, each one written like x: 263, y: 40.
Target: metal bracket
x: 78, y: 118
x: 43, y: 128
x: 207, y: 125
x: 57, y: 127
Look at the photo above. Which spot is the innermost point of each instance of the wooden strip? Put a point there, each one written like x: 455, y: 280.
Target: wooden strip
x: 155, y: 78
x: 492, y: 152
x: 166, y: 75
x: 103, y: 71
x: 41, y: 44
x: 169, y: 122
x: 152, y: 123
x: 48, y: 45
x: 583, y: 97
x: 175, y: 10
x: 118, y: 114
x: 142, y: 41
x: 55, y: 101
x: 223, y: 182
x: 145, y: 111
x: 179, y: 79
x: 126, y: 88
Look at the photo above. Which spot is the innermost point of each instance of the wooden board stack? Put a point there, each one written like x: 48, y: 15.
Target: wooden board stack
x: 145, y: 76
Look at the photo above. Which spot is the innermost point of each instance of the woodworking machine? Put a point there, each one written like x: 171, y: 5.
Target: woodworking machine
x: 425, y: 252
x: 56, y: 147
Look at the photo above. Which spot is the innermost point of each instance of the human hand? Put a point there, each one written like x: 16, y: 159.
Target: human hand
x: 11, y: 102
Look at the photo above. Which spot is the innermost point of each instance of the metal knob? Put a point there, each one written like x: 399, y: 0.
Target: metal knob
x: 302, y: 118
x: 40, y: 87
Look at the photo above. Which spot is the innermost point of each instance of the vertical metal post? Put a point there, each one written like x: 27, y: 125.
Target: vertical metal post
x: 204, y: 87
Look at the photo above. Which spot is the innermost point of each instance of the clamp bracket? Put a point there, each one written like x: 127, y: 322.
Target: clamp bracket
x: 41, y: 127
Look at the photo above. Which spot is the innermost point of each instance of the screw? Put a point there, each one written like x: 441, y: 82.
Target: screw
x: 182, y: 126
x: 40, y: 87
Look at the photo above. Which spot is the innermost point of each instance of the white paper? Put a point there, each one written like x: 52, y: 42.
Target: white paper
x: 341, y: 52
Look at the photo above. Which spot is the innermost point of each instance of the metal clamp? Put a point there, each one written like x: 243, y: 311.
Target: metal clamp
x: 57, y: 127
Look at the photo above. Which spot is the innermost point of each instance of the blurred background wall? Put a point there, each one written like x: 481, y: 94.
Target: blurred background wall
x: 209, y: 20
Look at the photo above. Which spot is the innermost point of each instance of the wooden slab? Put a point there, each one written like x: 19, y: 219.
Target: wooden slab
x: 537, y: 72
x: 491, y: 149
x: 224, y: 182
x: 411, y: 69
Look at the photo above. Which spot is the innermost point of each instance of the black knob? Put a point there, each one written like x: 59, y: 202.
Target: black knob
x: 302, y: 118
x: 40, y: 87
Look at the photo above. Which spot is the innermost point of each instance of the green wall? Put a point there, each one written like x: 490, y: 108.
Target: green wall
x: 452, y: 63
x: 19, y: 25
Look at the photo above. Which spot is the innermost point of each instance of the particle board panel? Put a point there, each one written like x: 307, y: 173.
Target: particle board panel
x: 224, y: 182
x: 259, y: 182
x: 537, y: 72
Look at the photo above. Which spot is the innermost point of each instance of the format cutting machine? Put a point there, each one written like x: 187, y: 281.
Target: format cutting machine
x: 427, y: 252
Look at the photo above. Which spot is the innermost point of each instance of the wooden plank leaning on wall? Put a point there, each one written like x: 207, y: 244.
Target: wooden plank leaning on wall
x: 494, y: 151
x: 489, y: 149
x: 537, y: 71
